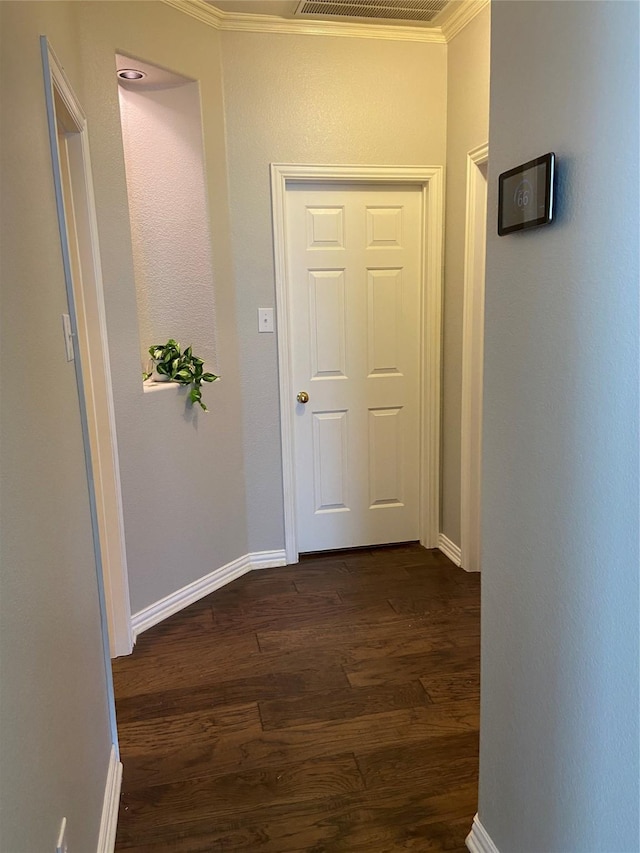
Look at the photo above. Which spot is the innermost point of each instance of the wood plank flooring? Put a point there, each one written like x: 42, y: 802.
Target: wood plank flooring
x: 328, y: 706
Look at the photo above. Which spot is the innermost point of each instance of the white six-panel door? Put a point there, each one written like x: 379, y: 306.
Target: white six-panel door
x: 354, y: 261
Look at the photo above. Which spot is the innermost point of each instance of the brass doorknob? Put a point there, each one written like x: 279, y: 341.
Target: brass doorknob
x: 302, y: 397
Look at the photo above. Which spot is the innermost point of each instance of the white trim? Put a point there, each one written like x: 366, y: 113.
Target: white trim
x: 463, y: 15
x: 267, y: 559
x: 449, y: 548
x: 110, y: 805
x: 431, y: 349
x: 199, y: 10
x: 479, y: 840
x: 181, y: 598
x: 104, y: 467
x: 472, y: 365
x: 115, y: 568
x: 244, y: 22
x: 61, y: 81
x: 430, y: 178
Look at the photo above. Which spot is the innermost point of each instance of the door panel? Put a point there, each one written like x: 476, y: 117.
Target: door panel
x: 385, y: 321
x: 330, y: 474
x: 327, y: 323
x: 385, y: 458
x: 353, y: 255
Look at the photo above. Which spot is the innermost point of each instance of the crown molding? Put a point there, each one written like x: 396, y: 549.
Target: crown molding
x: 199, y: 10
x: 272, y: 24
x: 243, y: 22
x: 463, y: 15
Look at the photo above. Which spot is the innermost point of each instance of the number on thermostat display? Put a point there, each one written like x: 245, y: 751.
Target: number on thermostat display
x: 523, y: 194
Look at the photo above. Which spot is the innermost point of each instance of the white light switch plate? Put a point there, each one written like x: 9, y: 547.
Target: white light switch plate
x: 265, y: 319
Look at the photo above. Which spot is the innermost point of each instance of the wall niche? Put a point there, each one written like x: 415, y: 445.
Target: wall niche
x: 160, y: 114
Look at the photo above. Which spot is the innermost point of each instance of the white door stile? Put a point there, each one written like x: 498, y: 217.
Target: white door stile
x: 430, y: 180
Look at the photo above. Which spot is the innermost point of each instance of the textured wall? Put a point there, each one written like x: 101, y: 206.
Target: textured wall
x: 304, y: 99
x: 182, y: 471
x: 164, y: 159
x: 55, y: 737
x: 559, y: 738
x: 467, y: 127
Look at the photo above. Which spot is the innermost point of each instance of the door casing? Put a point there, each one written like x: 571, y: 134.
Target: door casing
x: 430, y: 180
x: 472, y: 361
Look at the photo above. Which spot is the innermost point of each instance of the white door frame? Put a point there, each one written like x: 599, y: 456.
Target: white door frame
x: 472, y: 364
x: 94, y: 376
x: 430, y: 180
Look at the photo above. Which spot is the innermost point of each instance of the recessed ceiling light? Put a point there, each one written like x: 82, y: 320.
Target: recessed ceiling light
x: 131, y: 74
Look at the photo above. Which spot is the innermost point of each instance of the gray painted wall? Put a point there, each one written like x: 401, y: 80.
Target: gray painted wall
x: 55, y: 739
x: 467, y: 127
x: 559, y: 737
x: 182, y: 470
x: 302, y: 99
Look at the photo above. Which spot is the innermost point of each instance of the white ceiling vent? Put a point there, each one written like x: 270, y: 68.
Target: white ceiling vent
x: 396, y: 10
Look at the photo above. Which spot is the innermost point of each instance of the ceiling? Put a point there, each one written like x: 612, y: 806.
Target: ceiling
x: 427, y: 14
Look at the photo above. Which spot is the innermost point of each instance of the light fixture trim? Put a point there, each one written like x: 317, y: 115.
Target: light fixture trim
x: 131, y: 74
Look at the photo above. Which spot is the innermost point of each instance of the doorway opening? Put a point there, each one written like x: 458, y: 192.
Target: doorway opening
x: 89, y: 347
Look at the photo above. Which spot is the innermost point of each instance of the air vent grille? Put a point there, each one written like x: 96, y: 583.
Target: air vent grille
x: 397, y: 10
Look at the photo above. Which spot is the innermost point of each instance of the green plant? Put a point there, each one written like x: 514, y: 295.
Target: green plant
x: 182, y: 367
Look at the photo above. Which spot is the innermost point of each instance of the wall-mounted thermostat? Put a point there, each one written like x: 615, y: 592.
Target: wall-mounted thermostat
x: 525, y: 195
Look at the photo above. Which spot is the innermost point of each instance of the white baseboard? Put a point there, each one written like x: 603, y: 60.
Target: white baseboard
x: 110, y: 805
x: 267, y: 559
x: 478, y: 840
x: 451, y: 550
x: 170, y: 604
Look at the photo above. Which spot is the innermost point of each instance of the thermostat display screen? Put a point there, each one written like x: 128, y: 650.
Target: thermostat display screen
x: 526, y: 195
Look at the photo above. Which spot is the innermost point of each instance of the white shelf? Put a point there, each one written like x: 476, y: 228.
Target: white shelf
x: 150, y: 387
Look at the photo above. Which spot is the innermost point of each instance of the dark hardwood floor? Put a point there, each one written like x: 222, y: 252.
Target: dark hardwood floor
x: 328, y: 706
